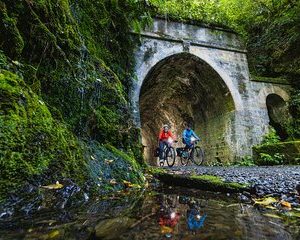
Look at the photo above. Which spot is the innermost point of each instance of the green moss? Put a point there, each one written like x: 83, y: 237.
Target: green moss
x: 77, y: 57
x: 31, y: 141
x: 109, y: 163
x: 11, y: 40
x: 203, y: 182
x: 218, y: 182
x: 276, y: 80
x: 278, y: 153
x: 123, y: 155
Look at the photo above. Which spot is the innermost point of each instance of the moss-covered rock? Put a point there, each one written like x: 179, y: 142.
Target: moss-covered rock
x: 64, y: 90
x: 109, y: 167
x: 31, y: 141
x: 277, y: 153
x: 203, y: 182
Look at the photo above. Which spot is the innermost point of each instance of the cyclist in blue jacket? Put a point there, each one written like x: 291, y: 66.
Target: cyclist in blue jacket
x: 187, y: 136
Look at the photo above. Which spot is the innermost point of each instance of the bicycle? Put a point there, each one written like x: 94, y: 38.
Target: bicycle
x: 169, y: 154
x: 195, y: 154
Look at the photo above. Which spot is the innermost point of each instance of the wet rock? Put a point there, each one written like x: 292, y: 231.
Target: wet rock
x: 243, y: 198
x: 298, y: 188
x: 113, y: 228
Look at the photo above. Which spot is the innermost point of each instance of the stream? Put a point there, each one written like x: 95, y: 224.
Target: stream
x: 160, y: 213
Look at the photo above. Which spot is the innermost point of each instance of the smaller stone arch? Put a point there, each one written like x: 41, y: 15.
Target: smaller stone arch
x: 264, y: 92
x: 274, y: 100
x: 278, y: 112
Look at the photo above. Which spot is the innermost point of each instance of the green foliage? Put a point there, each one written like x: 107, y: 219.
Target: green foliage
x: 268, y: 160
x: 293, y: 126
x: 277, y: 153
x: 245, y: 161
x: 270, y: 28
x: 271, y: 137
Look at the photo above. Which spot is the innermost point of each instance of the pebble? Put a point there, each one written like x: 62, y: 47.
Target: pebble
x: 281, y: 181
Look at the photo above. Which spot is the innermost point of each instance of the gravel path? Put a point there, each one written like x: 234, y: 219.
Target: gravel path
x: 279, y: 181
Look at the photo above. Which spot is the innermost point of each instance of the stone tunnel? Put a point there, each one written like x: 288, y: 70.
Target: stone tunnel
x: 190, y: 73
x: 179, y: 89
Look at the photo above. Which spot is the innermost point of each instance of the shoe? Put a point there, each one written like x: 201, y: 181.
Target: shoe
x: 161, y: 162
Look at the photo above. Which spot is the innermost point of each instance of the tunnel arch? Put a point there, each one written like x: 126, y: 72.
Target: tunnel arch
x: 278, y: 113
x: 183, y: 87
x: 145, y: 67
x: 264, y: 92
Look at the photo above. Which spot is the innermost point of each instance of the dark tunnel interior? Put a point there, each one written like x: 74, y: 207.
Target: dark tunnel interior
x: 183, y: 88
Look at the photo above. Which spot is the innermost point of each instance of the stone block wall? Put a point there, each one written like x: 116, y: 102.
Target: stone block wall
x: 230, y: 130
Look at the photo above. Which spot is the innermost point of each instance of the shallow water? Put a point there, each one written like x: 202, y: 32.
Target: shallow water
x: 173, y: 213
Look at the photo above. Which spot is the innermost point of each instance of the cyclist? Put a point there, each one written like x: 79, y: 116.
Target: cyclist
x: 195, y: 220
x: 187, y: 135
x: 164, y: 135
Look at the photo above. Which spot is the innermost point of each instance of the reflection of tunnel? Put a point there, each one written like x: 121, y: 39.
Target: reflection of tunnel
x: 278, y: 114
x: 184, y: 88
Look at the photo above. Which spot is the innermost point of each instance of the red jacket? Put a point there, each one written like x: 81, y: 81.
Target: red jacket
x: 165, y: 135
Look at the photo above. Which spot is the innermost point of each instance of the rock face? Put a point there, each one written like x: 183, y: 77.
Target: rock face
x: 198, y: 74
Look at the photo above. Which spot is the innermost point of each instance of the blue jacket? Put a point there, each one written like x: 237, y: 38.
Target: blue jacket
x: 192, y: 222
x: 187, y: 134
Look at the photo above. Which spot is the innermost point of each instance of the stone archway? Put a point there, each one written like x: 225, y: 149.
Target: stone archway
x: 264, y: 92
x: 181, y: 88
x: 278, y: 114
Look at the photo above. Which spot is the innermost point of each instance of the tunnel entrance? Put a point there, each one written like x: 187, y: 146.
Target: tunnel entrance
x: 183, y: 88
x: 278, y: 114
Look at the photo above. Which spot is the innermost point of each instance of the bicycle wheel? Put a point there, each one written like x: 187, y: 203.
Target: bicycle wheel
x: 184, y: 158
x: 170, y: 156
x: 198, y: 157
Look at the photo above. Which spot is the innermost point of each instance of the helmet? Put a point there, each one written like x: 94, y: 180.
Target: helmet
x: 166, y: 125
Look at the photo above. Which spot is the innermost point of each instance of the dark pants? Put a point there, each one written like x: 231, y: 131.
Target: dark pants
x: 188, y: 145
x: 161, y: 149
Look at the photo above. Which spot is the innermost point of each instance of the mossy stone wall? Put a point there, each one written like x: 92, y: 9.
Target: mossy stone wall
x: 65, y: 70
x: 289, y: 152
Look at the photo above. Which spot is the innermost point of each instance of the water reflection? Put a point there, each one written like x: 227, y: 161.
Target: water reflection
x: 195, y: 216
x: 169, y: 215
x: 161, y: 214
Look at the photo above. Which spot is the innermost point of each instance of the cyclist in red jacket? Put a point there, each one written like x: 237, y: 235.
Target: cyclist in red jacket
x: 164, y: 136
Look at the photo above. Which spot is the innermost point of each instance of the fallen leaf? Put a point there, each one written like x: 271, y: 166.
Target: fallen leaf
x: 272, y: 215
x: 113, y: 181
x: 108, y: 161
x: 16, y: 63
x: 127, y: 184
x: 265, y: 201
x: 286, y: 204
x: 53, y: 234
x: 271, y: 207
x: 294, y: 214
x: 233, y: 205
x: 57, y: 185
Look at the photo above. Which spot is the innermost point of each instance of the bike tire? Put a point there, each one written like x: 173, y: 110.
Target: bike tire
x: 185, y: 160
x: 198, y: 157
x: 170, y: 156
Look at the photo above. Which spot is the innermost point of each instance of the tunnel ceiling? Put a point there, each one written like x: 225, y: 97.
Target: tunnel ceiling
x: 182, y: 88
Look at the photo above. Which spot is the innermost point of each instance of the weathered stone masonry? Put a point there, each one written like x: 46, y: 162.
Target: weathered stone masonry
x: 191, y: 73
